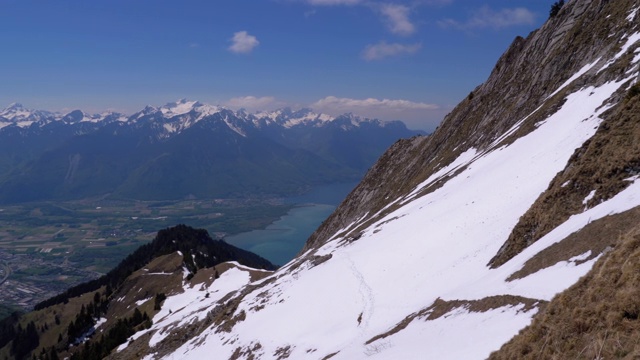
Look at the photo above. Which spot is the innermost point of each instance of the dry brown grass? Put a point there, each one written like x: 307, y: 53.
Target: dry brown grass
x: 247, y: 353
x: 330, y: 355
x: 441, y: 307
x: 597, y: 318
x: 283, y: 352
x: 596, y: 236
x: 162, y: 275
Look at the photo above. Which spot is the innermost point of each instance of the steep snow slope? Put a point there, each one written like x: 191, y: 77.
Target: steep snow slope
x: 415, y: 283
x: 436, y: 246
x: 409, y: 278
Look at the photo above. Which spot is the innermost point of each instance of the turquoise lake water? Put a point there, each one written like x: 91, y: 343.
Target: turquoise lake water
x: 284, y: 238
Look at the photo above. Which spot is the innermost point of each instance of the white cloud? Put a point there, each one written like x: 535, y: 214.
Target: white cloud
x: 382, y: 50
x: 347, y: 104
x: 485, y: 17
x: 417, y: 115
x: 333, y: 2
x: 251, y: 102
x: 397, y: 18
x: 243, y: 43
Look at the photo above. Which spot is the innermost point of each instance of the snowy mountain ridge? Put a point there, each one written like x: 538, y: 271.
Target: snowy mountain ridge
x: 283, y: 152
x: 178, y: 116
x: 17, y: 115
x: 183, y: 114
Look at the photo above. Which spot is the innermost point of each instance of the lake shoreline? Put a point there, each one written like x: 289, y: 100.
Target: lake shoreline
x: 282, y: 240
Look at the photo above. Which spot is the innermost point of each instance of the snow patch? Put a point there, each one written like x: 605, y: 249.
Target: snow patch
x: 589, y: 197
x: 140, y: 302
x: 632, y: 39
x: 99, y: 323
x: 632, y: 15
x: 581, y: 257
x: 636, y: 58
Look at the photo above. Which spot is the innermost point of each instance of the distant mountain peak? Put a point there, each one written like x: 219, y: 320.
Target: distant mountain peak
x: 184, y: 106
x: 15, y: 106
x: 16, y: 113
x: 179, y: 107
x: 74, y: 116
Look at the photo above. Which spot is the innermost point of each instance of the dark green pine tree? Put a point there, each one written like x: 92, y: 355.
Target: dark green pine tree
x: 555, y: 8
x: 53, y: 354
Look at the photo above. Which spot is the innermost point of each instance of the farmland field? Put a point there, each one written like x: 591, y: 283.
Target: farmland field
x: 47, y: 247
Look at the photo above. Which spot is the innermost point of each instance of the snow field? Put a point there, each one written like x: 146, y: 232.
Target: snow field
x: 435, y: 246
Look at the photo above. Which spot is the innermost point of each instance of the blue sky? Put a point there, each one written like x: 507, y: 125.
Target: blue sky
x: 391, y: 59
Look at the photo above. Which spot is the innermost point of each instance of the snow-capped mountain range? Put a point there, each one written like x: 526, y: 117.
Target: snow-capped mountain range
x: 17, y: 115
x: 279, y: 152
x: 182, y: 114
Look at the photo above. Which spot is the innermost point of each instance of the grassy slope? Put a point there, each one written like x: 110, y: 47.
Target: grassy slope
x: 597, y: 318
